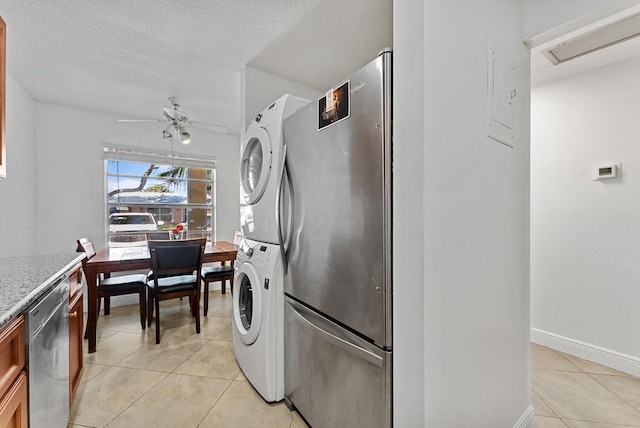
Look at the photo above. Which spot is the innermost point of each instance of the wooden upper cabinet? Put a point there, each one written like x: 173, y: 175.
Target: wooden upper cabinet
x: 3, y: 97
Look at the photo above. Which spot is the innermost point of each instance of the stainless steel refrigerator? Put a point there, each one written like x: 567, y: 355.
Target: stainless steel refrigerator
x: 335, y: 220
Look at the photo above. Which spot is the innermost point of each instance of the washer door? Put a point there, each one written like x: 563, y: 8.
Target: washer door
x: 255, y: 166
x: 247, y: 303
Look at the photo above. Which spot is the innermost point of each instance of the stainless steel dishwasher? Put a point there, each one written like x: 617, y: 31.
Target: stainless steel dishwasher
x: 48, y: 358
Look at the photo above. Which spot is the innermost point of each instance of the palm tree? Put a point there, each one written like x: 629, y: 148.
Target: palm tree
x: 143, y: 181
x: 174, y: 176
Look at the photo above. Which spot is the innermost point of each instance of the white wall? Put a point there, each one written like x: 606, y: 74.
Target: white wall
x: 69, y: 172
x: 17, y: 198
x: 408, y: 215
x: 466, y: 197
x: 585, y: 234
x: 260, y: 89
x: 476, y: 217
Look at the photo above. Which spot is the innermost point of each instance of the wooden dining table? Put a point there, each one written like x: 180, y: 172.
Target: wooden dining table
x: 111, y: 260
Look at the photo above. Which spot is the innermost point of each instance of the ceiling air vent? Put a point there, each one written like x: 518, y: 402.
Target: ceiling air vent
x: 608, y: 35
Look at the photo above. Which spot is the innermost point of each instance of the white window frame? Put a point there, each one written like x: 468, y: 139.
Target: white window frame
x: 132, y: 154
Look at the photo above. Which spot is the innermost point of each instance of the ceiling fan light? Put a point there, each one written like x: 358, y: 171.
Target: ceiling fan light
x: 185, y: 137
x: 167, y: 136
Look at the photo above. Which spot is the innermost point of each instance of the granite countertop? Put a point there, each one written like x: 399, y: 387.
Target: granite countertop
x: 24, y: 279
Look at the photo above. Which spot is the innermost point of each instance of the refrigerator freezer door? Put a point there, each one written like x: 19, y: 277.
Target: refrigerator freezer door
x: 339, y: 243
x: 334, y: 378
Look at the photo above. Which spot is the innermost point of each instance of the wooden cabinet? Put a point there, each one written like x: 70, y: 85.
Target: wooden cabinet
x: 13, y: 377
x: 13, y: 407
x: 76, y: 324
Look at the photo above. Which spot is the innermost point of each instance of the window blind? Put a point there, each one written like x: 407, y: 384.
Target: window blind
x: 132, y: 154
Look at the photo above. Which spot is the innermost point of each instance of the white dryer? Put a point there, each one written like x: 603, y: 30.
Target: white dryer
x: 258, y: 317
x: 261, y: 167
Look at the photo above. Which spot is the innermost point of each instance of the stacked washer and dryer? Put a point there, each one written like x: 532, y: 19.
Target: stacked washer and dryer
x: 258, y: 298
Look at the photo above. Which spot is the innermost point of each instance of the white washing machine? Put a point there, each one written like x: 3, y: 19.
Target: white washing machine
x: 258, y: 317
x: 261, y: 168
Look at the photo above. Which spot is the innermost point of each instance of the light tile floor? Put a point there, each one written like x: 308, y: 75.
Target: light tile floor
x: 192, y: 380
x: 188, y: 380
x: 569, y: 392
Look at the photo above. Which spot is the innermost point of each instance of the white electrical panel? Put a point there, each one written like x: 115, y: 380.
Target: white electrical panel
x: 605, y: 171
x: 501, y: 80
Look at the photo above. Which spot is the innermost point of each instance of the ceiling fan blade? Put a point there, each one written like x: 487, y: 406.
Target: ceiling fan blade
x: 208, y: 126
x: 178, y: 119
x: 172, y: 114
x: 141, y: 120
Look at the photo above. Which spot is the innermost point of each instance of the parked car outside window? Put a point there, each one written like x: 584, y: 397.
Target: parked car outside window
x: 128, y: 229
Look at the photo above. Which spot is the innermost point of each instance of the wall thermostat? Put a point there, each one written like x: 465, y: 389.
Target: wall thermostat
x: 603, y: 172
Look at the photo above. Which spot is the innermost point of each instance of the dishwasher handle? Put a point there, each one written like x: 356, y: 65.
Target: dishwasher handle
x: 46, y: 307
x: 35, y: 330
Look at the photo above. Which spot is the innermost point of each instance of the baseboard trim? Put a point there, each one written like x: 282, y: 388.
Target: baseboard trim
x: 526, y: 420
x: 606, y: 357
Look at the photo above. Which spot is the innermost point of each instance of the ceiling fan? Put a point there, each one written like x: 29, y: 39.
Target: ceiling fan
x: 178, y: 122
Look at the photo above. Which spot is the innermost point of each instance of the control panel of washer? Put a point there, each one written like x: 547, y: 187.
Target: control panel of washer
x: 261, y: 253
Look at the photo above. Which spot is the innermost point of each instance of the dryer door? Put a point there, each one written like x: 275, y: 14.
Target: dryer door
x: 255, y: 165
x: 247, y: 303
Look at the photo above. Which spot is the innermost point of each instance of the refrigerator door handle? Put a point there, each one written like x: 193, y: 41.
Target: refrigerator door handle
x: 347, y: 346
x: 289, y: 229
x: 283, y: 252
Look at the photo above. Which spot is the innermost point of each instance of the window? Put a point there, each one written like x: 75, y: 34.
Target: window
x: 157, y: 192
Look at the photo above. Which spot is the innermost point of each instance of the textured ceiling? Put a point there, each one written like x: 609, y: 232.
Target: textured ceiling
x: 333, y: 41
x: 127, y: 57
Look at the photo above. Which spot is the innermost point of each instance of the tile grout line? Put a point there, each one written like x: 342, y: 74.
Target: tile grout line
x: 589, y: 375
x: 214, y: 404
x: 562, y: 421
x: 136, y: 400
x: 606, y: 423
x: 166, y: 374
x: 161, y: 371
x: 545, y: 403
x: 557, y: 371
x: 613, y: 392
x: 225, y: 390
x: 142, y: 332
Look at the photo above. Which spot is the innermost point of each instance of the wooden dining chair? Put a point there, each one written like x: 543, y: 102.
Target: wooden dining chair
x: 213, y: 274
x: 159, y: 235
x: 117, y: 285
x: 176, y: 267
